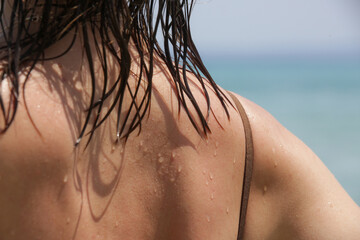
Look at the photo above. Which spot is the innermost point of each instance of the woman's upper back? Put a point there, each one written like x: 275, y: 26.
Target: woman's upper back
x: 165, y: 183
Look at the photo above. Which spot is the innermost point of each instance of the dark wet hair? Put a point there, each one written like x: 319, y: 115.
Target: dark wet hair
x: 139, y: 21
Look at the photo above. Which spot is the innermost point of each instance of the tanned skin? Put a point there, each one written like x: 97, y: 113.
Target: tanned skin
x: 168, y: 182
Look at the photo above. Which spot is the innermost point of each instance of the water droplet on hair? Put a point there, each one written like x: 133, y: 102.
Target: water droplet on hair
x: 208, y: 219
x: 65, y: 179
x: 78, y: 86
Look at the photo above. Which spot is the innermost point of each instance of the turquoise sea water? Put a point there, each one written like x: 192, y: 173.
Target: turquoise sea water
x: 318, y: 99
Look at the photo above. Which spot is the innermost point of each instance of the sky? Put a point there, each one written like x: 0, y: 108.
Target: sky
x: 277, y: 27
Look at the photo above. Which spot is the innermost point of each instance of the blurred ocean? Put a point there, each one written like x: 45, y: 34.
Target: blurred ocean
x: 318, y: 99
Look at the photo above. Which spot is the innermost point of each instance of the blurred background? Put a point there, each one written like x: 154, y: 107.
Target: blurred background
x: 298, y: 59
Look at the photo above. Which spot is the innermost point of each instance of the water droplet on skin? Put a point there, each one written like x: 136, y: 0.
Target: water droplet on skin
x: 141, y: 143
x: 78, y: 86
x: 227, y: 210
x: 65, y: 180
x: 212, y: 196
x: 172, y: 179
x: 208, y: 219
x: 173, y: 155
x: 207, y: 183
x: 215, y: 153
x: 116, y: 224
x: 207, y: 141
x: 38, y: 106
x: 211, y: 176
x: 273, y: 150
x: 204, y: 172
x: 113, y: 148
x: 161, y: 160
x: 265, y: 189
x: 331, y: 204
x: 217, y: 144
x: 275, y: 165
x: 179, y: 169
x: 67, y: 220
x: 234, y: 160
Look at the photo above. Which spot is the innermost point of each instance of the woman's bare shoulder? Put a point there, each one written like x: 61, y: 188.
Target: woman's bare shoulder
x: 293, y: 195
x: 41, y: 127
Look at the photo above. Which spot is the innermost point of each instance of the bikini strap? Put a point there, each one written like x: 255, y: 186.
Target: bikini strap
x: 249, y: 158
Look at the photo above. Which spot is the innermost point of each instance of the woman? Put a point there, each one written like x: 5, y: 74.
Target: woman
x: 107, y: 135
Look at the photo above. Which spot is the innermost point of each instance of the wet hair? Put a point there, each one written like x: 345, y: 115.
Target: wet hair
x: 139, y: 21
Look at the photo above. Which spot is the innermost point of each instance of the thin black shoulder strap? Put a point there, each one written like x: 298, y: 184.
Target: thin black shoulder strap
x: 249, y: 158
